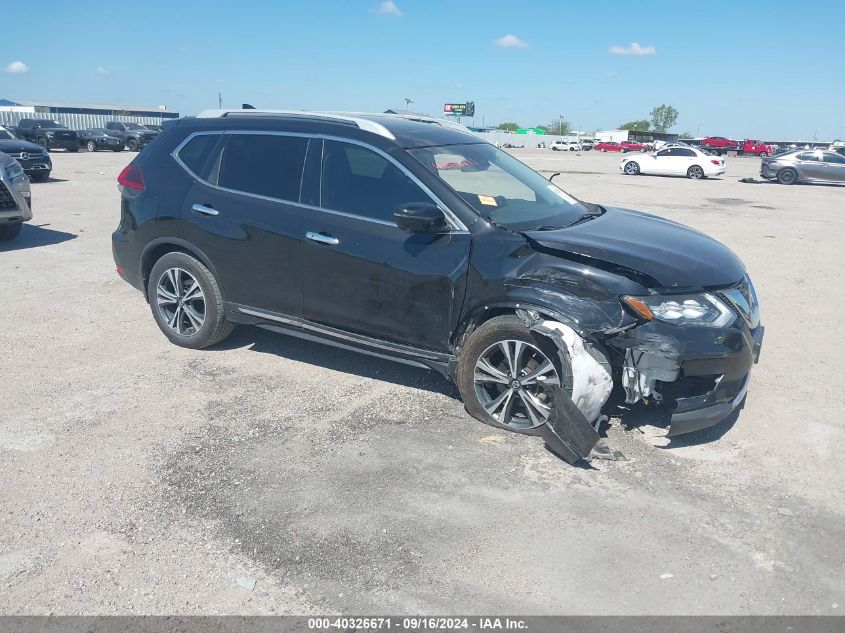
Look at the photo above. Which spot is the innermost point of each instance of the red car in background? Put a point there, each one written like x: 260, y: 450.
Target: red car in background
x: 719, y: 143
x: 624, y: 146
x: 757, y: 148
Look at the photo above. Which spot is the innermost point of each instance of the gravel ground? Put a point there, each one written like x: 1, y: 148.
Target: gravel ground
x: 139, y: 477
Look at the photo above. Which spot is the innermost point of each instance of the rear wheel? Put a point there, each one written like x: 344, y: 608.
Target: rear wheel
x: 632, y: 168
x: 603, y: 149
x: 186, y: 302
x: 506, y: 380
x: 9, y: 231
x: 695, y: 172
x: 91, y: 146
x: 763, y: 154
x: 787, y: 176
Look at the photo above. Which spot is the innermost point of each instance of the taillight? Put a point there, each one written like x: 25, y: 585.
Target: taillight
x: 716, y: 162
x: 131, y: 177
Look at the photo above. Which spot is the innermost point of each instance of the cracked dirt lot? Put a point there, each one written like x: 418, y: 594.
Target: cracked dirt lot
x: 139, y: 477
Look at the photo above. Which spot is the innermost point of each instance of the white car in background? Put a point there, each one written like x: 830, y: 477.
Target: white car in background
x: 674, y: 161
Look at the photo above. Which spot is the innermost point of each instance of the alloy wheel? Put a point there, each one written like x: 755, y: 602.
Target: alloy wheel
x: 632, y: 168
x: 513, y: 382
x: 181, y: 301
x: 695, y: 172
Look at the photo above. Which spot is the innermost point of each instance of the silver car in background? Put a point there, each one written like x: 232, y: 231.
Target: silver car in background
x: 15, y: 198
x: 804, y: 166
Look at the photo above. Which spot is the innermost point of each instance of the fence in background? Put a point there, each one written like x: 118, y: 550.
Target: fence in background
x: 78, y: 121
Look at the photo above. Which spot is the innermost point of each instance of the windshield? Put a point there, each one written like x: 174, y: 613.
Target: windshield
x: 134, y: 126
x: 6, y: 135
x: 500, y: 187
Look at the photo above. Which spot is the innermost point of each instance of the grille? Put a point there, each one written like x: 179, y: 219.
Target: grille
x: 744, y: 299
x: 7, y: 202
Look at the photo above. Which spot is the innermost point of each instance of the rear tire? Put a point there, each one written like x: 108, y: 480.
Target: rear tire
x: 787, y: 176
x: 10, y: 231
x: 695, y: 173
x: 763, y: 154
x: 196, y: 322
x: 91, y: 146
x: 485, y: 343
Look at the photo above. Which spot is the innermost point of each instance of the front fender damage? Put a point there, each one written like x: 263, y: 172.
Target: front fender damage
x: 586, y: 382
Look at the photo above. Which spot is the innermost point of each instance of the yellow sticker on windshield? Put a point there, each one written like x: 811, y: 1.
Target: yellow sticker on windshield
x: 490, y: 201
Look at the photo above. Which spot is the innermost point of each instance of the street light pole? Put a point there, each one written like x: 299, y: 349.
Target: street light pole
x: 560, y: 125
x: 697, y: 130
x: 408, y: 102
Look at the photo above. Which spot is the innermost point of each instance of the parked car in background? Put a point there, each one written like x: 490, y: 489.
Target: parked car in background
x: 720, y: 144
x: 839, y: 150
x: 674, y: 161
x: 587, y: 144
x: 756, y: 148
x: 134, y: 135
x: 632, y: 146
x: 813, y: 166
x: 96, y: 139
x: 48, y: 134
x: 34, y: 159
x: 15, y: 198
x: 560, y: 146
x: 609, y: 146
x: 366, y: 219
x: 154, y: 128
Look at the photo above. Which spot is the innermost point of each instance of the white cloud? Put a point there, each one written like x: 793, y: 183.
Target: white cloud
x: 510, y: 41
x: 17, y: 68
x: 388, y: 7
x: 103, y: 71
x: 633, y: 49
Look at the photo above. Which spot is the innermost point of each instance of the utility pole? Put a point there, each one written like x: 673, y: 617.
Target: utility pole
x: 219, y: 100
x: 560, y: 125
x: 408, y: 102
x: 697, y: 130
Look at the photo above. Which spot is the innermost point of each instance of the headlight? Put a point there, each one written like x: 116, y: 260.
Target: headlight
x: 14, y: 170
x: 703, y: 310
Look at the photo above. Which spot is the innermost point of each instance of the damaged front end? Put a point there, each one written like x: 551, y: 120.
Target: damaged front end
x: 697, y: 370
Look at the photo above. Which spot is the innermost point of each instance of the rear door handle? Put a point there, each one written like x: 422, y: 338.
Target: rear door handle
x: 205, y: 209
x: 322, y: 238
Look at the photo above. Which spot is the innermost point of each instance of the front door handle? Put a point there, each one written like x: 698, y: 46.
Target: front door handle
x: 205, y: 209
x: 322, y: 238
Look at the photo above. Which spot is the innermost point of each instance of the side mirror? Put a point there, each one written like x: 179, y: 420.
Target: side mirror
x: 420, y: 217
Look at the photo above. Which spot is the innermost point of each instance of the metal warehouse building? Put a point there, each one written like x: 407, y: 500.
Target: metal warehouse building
x: 79, y: 116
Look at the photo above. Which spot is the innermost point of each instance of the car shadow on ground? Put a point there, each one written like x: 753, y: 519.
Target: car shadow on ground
x: 337, y: 359
x: 48, y: 181
x: 33, y: 236
x: 641, y: 418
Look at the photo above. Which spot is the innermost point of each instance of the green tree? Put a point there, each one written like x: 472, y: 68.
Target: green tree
x: 641, y: 125
x: 663, y: 117
x: 509, y: 127
x: 558, y: 127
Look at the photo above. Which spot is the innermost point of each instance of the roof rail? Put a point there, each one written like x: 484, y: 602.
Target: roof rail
x: 361, y: 123
x: 411, y: 117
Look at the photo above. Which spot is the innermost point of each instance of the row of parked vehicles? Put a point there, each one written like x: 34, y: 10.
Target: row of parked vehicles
x: 32, y: 140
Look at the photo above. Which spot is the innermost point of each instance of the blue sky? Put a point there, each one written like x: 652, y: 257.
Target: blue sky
x: 744, y: 69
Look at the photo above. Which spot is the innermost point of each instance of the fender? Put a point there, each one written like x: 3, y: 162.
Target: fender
x: 183, y: 245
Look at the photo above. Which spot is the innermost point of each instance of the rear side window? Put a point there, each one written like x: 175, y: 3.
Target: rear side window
x: 359, y: 181
x: 265, y: 165
x: 808, y: 156
x: 197, y: 151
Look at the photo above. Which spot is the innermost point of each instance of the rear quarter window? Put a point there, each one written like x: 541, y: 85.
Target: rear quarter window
x: 195, y: 154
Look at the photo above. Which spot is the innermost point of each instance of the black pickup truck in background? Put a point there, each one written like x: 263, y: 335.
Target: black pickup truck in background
x: 134, y: 135
x: 48, y: 134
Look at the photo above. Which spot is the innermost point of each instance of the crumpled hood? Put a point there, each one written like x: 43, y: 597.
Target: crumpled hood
x: 671, y: 253
x: 15, y: 147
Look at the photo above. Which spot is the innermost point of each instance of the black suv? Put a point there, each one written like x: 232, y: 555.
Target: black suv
x: 411, y: 239
x: 48, y: 134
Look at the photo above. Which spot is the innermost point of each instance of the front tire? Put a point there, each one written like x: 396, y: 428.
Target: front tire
x: 132, y: 145
x: 91, y: 146
x: 763, y: 154
x: 787, y: 176
x: 695, y: 173
x: 632, y: 168
x: 186, y: 302
x: 10, y: 231
x: 506, y: 377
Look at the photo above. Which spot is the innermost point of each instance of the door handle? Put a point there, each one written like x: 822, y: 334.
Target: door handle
x: 322, y: 239
x: 205, y: 209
